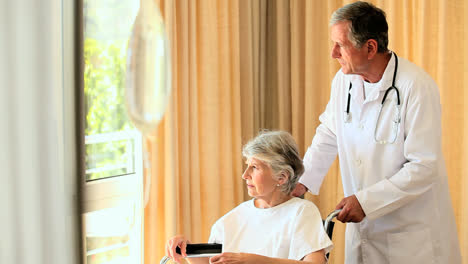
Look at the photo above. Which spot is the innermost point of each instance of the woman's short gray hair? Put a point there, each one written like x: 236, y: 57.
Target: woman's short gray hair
x: 278, y: 150
x: 367, y: 22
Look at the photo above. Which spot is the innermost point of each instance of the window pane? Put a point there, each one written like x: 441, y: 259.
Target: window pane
x: 113, y: 235
x: 111, y: 154
x: 107, y: 28
x: 113, y: 219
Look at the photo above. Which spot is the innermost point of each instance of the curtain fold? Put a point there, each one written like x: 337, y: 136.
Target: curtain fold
x: 39, y: 217
x: 196, y: 151
x: 463, y: 206
x: 245, y: 65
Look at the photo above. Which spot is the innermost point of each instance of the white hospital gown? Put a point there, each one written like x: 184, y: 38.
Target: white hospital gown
x: 290, y: 230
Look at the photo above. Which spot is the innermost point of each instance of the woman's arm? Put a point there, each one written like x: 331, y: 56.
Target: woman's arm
x: 317, y: 257
x: 204, y: 260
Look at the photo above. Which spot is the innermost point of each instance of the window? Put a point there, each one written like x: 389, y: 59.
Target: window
x: 112, y: 187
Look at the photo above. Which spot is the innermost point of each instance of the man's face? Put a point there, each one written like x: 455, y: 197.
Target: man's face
x: 352, y: 60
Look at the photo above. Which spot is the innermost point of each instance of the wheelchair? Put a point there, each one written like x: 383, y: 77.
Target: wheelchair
x: 328, y: 225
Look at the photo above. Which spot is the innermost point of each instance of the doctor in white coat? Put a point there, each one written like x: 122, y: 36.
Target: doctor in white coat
x: 397, y: 204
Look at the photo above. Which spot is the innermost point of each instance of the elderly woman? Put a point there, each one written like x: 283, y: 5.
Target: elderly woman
x: 273, y: 227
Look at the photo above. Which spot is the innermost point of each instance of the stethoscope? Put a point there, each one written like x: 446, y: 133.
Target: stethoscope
x: 396, y: 121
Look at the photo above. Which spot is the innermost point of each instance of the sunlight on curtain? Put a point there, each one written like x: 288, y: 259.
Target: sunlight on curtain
x: 196, y: 156
x: 463, y: 207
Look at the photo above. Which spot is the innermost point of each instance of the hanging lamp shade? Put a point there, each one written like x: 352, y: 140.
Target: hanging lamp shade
x: 148, y: 76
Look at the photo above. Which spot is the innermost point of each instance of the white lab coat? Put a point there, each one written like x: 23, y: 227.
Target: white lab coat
x: 402, y: 187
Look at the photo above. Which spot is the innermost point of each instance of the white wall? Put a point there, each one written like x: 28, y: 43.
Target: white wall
x: 38, y: 179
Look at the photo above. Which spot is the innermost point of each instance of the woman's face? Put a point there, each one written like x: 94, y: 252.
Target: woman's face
x: 259, y: 179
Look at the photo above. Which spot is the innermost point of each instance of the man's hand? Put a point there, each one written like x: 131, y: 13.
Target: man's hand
x: 351, y: 210
x: 299, y: 190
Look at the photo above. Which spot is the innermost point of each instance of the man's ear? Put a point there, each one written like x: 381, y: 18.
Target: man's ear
x: 372, y: 48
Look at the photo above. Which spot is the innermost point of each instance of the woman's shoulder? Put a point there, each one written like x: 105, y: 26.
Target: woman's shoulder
x: 238, y: 210
x: 304, y: 205
x: 309, y: 209
x: 296, y: 206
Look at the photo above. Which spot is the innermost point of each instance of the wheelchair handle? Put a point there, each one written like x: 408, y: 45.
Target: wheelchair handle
x: 330, y: 218
x: 164, y: 260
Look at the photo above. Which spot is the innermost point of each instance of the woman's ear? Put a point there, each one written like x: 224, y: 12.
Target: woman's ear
x: 283, y: 178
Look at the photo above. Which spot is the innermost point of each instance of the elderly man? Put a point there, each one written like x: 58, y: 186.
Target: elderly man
x: 384, y: 122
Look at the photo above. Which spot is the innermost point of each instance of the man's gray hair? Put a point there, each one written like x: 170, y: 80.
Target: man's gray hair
x: 278, y: 150
x: 366, y: 22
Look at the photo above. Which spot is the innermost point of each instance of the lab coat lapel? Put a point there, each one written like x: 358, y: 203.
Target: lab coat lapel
x: 357, y: 95
x: 357, y: 91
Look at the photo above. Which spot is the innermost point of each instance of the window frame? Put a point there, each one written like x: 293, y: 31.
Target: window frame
x: 108, y: 192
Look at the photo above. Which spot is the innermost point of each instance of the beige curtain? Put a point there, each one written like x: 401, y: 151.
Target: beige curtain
x: 195, y: 154
x: 243, y: 65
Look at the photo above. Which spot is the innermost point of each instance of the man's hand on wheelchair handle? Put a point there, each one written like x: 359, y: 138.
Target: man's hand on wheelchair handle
x: 351, y: 210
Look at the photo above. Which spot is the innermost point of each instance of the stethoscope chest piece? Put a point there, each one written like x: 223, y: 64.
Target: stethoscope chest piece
x: 347, y: 118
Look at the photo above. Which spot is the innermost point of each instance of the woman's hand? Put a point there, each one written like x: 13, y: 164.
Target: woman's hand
x: 233, y: 258
x: 246, y: 258
x: 173, y: 243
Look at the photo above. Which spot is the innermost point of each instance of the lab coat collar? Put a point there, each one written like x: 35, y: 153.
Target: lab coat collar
x: 384, y: 83
x: 357, y: 93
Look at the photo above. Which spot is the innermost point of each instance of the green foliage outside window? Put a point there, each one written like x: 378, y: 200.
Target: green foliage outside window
x: 107, y: 27
x: 110, y: 233
x: 104, y: 87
